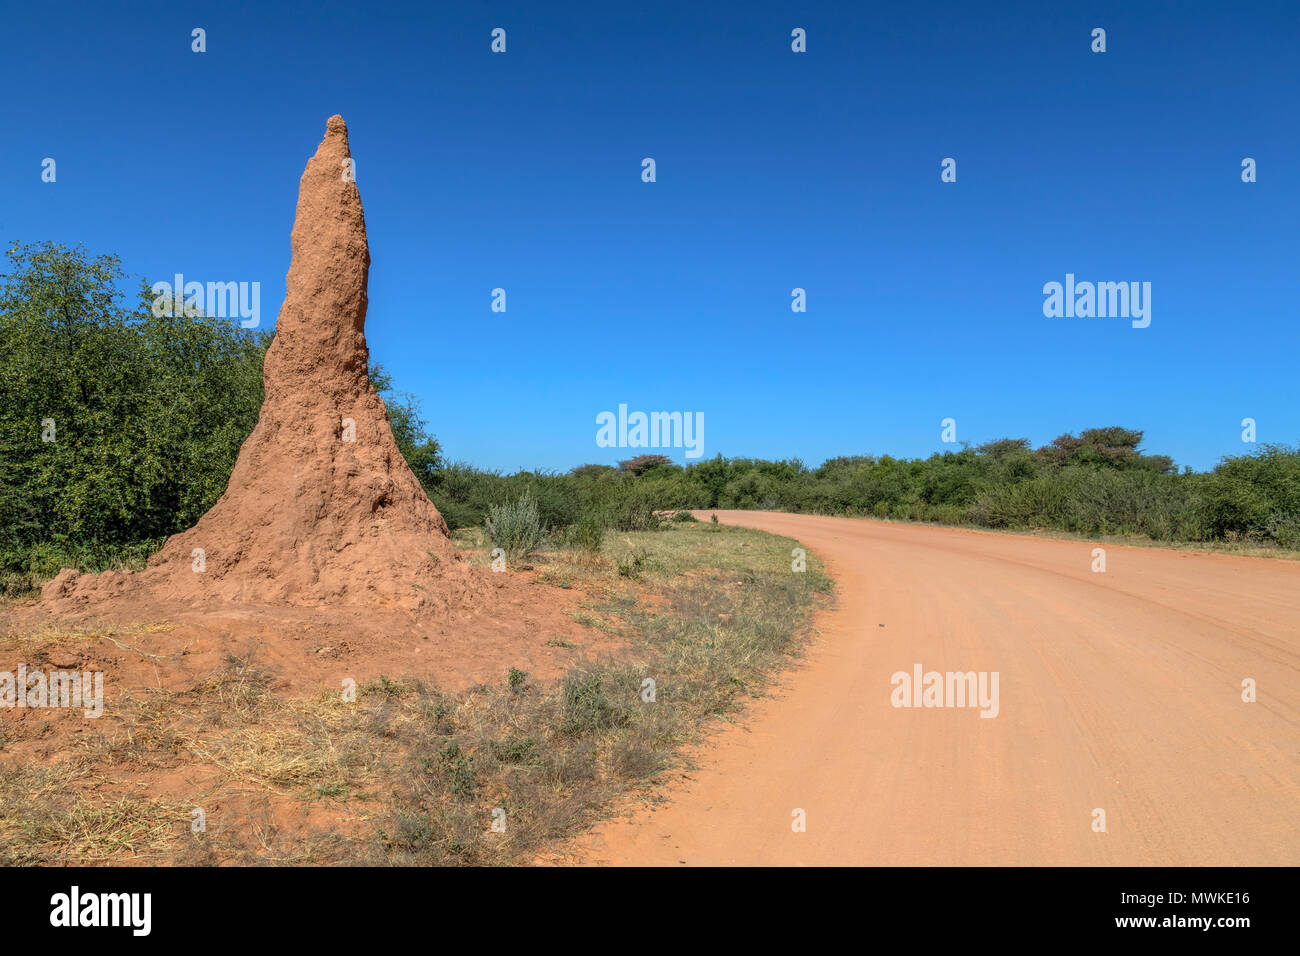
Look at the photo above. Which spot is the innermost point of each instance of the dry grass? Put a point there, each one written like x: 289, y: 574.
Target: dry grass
x: 409, y: 774
x: 31, y: 642
x: 39, y: 824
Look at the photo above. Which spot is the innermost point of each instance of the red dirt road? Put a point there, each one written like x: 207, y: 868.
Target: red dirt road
x: 1119, y: 691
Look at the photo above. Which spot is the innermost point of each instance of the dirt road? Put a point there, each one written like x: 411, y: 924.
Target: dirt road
x: 1119, y: 691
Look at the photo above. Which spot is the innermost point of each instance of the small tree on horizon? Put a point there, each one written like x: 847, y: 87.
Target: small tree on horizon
x: 643, y: 463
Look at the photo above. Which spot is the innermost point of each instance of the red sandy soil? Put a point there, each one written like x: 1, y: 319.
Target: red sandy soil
x: 1119, y: 690
x: 307, y: 650
x: 304, y: 650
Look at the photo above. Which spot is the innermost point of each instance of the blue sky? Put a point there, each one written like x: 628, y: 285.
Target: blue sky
x: 775, y: 170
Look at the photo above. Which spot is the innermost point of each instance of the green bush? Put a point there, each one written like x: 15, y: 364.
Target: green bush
x: 632, y: 565
x: 516, y: 750
x: 1283, y: 528
x: 634, y: 508
x: 589, y: 533
x: 590, y: 705
x: 148, y: 413
x: 116, y: 426
x: 515, y: 528
x: 945, y: 514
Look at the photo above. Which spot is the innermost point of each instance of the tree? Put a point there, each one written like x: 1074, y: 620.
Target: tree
x: 411, y: 432
x: 643, y: 463
x: 116, y: 426
x: 593, y: 471
x: 1002, y: 448
x: 1112, y: 447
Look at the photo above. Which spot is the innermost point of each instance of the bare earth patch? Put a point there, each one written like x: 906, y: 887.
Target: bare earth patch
x: 237, y: 719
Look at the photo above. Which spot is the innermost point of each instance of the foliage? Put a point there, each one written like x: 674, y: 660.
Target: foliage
x: 116, y: 426
x: 515, y: 527
x: 119, y: 427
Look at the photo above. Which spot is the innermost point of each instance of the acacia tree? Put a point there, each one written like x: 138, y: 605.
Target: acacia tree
x: 1114, y: 446
x: 643, y: 463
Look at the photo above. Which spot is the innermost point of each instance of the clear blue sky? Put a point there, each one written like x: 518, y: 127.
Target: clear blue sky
x: 775, y: 170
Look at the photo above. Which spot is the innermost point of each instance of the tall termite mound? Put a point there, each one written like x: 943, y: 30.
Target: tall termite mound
x: 321, y: 507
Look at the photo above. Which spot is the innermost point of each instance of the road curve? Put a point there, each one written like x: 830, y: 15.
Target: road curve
x: 1119, y: 691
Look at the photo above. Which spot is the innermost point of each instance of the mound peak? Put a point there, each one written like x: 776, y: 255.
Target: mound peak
x: 321, y: 507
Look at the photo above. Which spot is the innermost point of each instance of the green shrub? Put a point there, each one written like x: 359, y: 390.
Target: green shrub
x: 457, y: 514
x: 632, y: 565
x: 1283, y: 528
x: 515, y: 528
x: 589, y: 533
x: 634, y: 509
x: 589, y: 706
x: 457, y: 768
x: 516, y: 750
x: 945, y: 514
x: 558, y: 504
